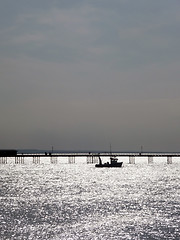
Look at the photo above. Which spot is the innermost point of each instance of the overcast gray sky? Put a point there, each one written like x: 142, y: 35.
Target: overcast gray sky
x: 81, y: 74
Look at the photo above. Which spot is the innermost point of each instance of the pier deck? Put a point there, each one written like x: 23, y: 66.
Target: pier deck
x: 92, y: 157
x: 103, y: 154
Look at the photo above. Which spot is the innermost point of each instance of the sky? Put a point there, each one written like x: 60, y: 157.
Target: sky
x: 87, y: 74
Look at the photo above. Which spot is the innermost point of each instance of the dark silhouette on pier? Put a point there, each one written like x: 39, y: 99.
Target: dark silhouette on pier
x: 8, y: 153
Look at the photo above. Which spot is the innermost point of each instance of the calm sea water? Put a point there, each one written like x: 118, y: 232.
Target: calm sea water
x: 78, y: 201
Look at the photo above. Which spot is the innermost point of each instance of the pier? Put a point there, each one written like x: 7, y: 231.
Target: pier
x: 91, y: 158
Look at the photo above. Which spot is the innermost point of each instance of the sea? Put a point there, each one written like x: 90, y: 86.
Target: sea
x: 76, y: 201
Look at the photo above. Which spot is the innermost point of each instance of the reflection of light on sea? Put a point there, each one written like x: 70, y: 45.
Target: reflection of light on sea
x: 79, y: 201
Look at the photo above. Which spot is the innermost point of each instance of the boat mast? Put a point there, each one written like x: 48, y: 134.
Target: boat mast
x: 141, y: 150
x: 110, y: 149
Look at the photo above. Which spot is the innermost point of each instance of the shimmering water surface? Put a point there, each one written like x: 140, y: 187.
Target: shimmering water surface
x: 78, y: 201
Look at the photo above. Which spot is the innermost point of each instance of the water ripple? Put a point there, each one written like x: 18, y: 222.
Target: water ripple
x: 80, y: 202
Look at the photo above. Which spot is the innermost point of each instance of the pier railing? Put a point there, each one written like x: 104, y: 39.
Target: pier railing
x: 92, y: 157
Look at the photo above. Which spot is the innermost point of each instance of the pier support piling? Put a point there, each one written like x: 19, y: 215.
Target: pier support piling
x: 53, y: 159
x: 89, y: 159
x: 19, y: 160
x: 150, y: 159
x: 92, y: 159
x: 95, y: 159
x: 36, y: 159
x: 169, y: 160
x: 3, y: 160
x: 131, y: 159
x: 71, y: 159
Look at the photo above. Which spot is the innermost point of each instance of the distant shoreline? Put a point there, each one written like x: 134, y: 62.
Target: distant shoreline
x: 36, y: 151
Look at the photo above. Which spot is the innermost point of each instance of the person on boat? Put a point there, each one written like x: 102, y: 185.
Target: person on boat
x: 100, y: 161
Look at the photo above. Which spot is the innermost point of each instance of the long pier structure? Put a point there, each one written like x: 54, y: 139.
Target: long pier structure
x: 92, y: 157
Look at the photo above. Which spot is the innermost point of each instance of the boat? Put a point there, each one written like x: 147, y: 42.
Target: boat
x: 113, y: 162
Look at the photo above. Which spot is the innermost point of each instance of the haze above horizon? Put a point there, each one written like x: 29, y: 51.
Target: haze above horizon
x: 84, y: 74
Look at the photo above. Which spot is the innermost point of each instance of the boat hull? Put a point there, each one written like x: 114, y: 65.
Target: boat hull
x: 116, y: 165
